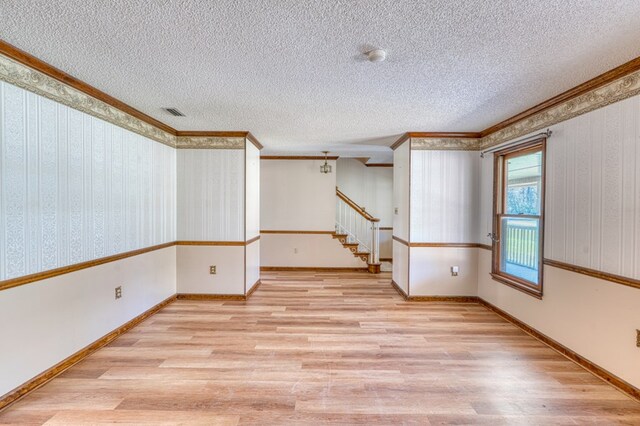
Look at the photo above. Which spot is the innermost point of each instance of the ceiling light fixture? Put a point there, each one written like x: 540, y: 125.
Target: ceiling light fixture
x: 325, y: 168
x: 377, y: 55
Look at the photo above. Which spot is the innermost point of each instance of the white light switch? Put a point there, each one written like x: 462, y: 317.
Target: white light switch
x: 454, y: 271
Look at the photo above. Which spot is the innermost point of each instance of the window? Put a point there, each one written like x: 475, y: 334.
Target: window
x: 519, y: 216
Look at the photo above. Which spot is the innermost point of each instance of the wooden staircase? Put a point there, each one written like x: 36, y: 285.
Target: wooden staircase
x: 357, y: 231
x: 352, y: 247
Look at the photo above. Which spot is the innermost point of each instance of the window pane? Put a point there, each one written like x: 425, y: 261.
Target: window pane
x: 519, y: 248
x: 524, y: 179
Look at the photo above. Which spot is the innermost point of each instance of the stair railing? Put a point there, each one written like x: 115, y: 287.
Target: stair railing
x: 359, y: 226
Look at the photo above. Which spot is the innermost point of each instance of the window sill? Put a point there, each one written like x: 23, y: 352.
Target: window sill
x: 517, y: 285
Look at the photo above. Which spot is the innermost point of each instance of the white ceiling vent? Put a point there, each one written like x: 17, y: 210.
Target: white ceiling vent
x: 174, y: 112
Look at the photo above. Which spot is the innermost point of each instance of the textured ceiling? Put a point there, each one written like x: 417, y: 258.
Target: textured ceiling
x: 292, y: 72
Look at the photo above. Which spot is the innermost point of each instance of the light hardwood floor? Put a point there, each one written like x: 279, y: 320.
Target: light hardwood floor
x: 325, y: 348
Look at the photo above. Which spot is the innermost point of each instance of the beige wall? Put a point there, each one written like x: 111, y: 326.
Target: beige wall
x: 595, y: 318
x: 193, y: 264
x: 306, y: 250
x: 369, y: 187
x: 444, y: 202
x: 252, y: 215
x: 47, y: 321
x: 296, y: 196
x: 401, y: 171
x: 430, y: 271
x: 592, y: 219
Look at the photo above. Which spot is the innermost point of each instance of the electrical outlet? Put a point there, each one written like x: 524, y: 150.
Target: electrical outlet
x: 118, y: 292
x: 212, y: 269
x: 638, y: 338
x: 395, y: 210
x: 295, y: 251
x: 454, y: 271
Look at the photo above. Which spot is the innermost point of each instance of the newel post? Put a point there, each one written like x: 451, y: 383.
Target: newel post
x: 374, y: 255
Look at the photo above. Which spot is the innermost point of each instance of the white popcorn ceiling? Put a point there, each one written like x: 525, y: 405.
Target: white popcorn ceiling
x: 292, y: 72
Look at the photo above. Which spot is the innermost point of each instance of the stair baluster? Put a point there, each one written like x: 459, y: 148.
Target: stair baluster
x: 360, y: 230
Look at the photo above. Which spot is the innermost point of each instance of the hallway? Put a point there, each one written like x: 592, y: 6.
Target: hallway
x: 319, y: 347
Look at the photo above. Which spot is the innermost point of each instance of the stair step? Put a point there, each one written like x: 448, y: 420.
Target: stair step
x: 350, y: 244
x: 361, y: 253
x: 339, y: 235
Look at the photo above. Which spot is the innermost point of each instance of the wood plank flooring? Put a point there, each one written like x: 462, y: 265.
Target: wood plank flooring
x: 312, y: 348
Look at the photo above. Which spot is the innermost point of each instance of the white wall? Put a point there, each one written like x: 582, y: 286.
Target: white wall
x: 592, y: 216
x: 444, y: 205
x: 252, y: 264
x: 400, y: 271
x: 401, y: 175
x: 49, y: 320
x: 296, y: 196
x: 252, y: 189
x: 401, y: 195
x: 371, y: 187
x: 252, y: 201
x: 306, y: 250
x: 592, y: 220
x: 386, y: 243
x: 444, y: 196
x: 211, y: 200
x: 211, y: 194
x: 76, y: 188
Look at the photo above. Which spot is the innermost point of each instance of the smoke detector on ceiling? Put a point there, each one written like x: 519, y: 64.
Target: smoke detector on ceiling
x: 174, y: 111
x: 376, y: 55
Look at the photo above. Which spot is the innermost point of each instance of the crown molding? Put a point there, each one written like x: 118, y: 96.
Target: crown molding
x: 294, y: 157
x: 35, y: 64
x: 254, y: 141
x: 444, y: 135
x: 603, y: 79
x: 400, y: 141
x: 18, y: 74
x: 607, y: 94
x: 211, y: 134
x: 612, y: 86
x: 30, y: 73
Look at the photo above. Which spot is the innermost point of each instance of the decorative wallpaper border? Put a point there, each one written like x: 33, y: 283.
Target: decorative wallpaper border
x: 452, y: 144
x: 210, y: 142
x: 21, y: 75
x: 615, y: 91
x: 25, y: 77
x: 37, y: 82
x: 608, y: 94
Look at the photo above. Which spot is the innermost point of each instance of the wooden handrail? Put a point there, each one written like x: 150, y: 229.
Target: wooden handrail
x: 356, y: 207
